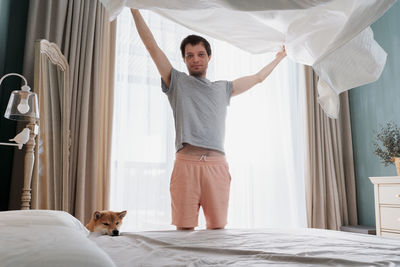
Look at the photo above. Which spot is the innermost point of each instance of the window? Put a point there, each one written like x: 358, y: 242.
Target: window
x: 264, y: 133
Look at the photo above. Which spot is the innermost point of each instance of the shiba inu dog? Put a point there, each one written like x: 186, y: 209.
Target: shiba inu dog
x: 106, y: 222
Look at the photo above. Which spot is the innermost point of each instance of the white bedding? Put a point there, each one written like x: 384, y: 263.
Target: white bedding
x: 47, y: 238
x: 55, y: 238
x: 300, y: 247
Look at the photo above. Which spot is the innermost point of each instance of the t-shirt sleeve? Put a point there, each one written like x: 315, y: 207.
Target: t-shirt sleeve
x: 229, y: 88
x: 174, y: 78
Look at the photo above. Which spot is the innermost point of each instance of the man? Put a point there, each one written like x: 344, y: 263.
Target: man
x: 201, y: 175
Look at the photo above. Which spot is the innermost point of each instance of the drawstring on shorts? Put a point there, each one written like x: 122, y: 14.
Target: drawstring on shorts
x: 200, y: 158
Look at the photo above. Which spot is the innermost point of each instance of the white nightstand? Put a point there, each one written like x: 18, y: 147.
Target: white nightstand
x: 387, y: 205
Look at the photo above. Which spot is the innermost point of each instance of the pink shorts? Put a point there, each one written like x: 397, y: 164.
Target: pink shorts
x: 200, y: 181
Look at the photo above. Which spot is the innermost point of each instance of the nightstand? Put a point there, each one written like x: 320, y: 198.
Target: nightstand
x: 387, y: 205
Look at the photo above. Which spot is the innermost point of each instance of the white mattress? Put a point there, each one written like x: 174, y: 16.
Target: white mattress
x: 54, y: 238
x: 300, y: 247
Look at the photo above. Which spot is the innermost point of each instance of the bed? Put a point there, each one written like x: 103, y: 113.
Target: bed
x: 55, y: 238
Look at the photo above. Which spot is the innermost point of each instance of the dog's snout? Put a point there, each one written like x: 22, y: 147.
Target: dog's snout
x: 115, y: 232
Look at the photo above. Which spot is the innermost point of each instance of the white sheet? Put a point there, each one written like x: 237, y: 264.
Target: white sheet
x: 297, y: 247
x: 331, y: 35
x: 47, y: 238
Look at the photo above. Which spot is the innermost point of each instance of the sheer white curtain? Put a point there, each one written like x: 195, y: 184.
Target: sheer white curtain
x: 264, y: 134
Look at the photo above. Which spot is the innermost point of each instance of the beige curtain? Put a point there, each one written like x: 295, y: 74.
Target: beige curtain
x: 86, y: 38
x: 329, y: 177
x: 51, y: 83
x: 89, y: 49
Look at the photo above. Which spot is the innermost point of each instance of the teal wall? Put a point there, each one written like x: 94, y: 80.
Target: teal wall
x: 371, y: 106
x: 13, y: 18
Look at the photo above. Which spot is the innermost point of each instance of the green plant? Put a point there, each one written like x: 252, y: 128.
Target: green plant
x: 389, y: 137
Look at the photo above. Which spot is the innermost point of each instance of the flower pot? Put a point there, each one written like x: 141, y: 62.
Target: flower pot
x: 397, y: 164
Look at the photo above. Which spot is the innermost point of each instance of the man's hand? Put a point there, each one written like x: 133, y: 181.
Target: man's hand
x: 281, y: 54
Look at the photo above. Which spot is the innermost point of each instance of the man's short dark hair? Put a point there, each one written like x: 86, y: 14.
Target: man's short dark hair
x: 194, y: 40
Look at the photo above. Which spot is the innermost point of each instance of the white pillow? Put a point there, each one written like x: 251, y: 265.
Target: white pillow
x: 47, y: 238
x: 41, y: 217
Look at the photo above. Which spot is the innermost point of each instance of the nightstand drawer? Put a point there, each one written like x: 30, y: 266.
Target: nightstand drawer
x: 390, y: 218
x: 390, y: 234
x: 389, y: 194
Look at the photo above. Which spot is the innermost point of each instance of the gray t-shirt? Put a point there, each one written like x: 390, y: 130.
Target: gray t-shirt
x: 199, y: 107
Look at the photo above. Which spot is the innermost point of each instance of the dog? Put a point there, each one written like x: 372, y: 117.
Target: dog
x: 106, y: 222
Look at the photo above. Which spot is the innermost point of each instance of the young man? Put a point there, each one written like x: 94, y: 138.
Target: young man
x: 200, y: 176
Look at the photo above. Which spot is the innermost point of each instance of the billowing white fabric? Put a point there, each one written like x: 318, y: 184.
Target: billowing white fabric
x: 333, y: 36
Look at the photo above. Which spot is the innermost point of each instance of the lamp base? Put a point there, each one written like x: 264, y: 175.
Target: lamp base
x: 28, y: 166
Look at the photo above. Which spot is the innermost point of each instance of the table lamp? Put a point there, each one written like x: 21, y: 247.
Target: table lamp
x: 23, y: 106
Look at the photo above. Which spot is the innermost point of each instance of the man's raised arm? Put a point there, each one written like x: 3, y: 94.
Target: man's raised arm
x: 160, y: 59
x: 245, y: 83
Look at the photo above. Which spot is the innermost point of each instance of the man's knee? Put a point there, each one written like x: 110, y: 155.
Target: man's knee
x: 185, y: 228
x: 218, y: 228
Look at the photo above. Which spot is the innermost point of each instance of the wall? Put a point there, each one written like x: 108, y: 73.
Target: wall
x: 4, y: 14
x: 13, y: 18
x: 371, y: 106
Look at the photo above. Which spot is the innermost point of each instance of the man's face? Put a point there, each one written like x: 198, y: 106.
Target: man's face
x: 196, y: 59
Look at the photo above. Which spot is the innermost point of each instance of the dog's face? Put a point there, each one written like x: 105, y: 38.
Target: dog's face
x: 107, y: 222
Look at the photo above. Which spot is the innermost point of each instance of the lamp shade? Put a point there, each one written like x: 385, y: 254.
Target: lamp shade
x: 22, y: 106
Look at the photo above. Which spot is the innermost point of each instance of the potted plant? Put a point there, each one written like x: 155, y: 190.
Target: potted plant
x: 387, y: 145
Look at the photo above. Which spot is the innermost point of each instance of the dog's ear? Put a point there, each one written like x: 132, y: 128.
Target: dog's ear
x: 122, y: 214
x: 97, y: 215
